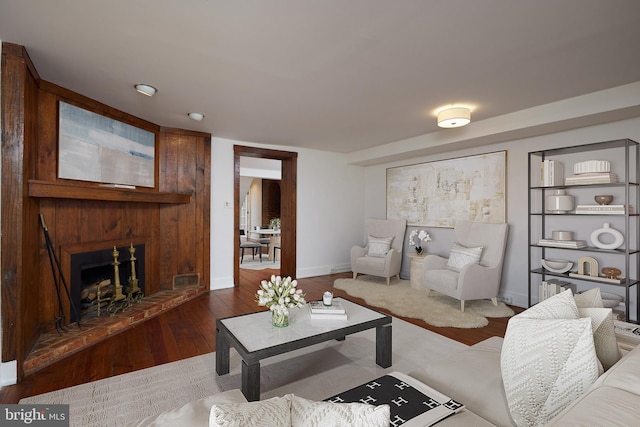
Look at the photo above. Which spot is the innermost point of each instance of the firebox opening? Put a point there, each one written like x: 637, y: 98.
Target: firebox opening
x: 92, y: 278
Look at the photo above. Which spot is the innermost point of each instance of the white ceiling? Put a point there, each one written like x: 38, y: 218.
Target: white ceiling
x: 336, y: 75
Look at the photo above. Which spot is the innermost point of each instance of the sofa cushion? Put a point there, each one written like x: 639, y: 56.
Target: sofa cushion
x: 601, y: 406
x: 459, y: 256
x: 378, y: 246
x: 472, y: 377
x: 194, y: 413
x: 625, y: 374
x: 589, y: 299
x: 271, y: 412
x: 548, y: 360
x: 308, y: 413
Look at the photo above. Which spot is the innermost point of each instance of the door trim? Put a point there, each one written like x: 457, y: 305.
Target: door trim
x: 288, y: 205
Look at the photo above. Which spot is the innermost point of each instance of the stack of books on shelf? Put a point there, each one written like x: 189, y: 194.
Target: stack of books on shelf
x: 592, y: 178
x: 571, y: 244
x: 603, y: 209
x: 551, y: 287
x: 335, y: 311
x: 551, y: 173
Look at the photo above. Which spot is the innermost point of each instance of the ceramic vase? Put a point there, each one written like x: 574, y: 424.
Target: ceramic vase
x: 559, y: 202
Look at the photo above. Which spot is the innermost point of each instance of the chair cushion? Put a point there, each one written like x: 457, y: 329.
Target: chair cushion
x: 379, y: 246
x: 461, y: 256
x: 446, y: 279
x: 370, y: 265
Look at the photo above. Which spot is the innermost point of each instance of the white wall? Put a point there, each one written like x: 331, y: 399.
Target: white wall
x: 515, y: 278
x: 330, y: 208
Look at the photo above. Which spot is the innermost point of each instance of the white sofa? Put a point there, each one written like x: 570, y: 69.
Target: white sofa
x: 473, y: 376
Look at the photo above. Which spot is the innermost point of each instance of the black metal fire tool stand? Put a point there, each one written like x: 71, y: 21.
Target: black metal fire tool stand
x: 57, y: 270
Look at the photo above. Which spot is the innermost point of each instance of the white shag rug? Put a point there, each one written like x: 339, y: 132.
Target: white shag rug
x: 436, y: 309
x: 250, y: 264
x: 317, y: 372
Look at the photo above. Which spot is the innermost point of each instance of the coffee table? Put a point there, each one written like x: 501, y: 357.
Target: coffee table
x: 254, y: 338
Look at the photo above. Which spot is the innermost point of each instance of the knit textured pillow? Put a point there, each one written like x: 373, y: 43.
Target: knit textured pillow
x: 379, y: 246
x: 548, y: 360
x: 271, y: 412
x: 308, y: 413
x: 461, y: 256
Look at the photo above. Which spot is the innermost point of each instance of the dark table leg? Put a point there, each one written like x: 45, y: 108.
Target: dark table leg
x: 251, y: 381
x: 222, y: 352
x: 383, y: 345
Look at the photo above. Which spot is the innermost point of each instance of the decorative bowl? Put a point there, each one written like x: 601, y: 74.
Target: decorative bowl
x: 557, y: 265
x: 603, y: 199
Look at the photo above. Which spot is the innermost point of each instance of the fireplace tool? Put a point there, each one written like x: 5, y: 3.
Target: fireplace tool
x: 60, y: 322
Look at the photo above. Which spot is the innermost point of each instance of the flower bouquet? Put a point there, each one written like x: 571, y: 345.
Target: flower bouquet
x: 279, y: 295
x: 422, y: 235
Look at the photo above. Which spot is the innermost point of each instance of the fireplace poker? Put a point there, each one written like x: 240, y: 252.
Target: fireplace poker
x: 60, y: 323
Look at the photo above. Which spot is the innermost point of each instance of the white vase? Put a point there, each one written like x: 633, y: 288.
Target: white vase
x: 559, y: 202
x: 618, y: 238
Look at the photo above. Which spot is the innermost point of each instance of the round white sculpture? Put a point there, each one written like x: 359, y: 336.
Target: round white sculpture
x: 618, y: 238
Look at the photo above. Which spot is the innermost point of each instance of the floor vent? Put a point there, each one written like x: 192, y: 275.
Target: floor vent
x: 186, y: 280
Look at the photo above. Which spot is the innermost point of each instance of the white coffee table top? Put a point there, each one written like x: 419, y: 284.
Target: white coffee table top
x: 255, y: 331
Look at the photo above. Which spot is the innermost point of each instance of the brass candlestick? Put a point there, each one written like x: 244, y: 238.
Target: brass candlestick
x: 133, y: 280
x: 118, y: 295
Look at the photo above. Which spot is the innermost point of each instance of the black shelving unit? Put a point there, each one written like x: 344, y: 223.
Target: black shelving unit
x: 624, y: 157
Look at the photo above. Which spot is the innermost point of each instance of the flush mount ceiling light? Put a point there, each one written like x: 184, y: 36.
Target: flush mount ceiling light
x: 454, y: 117
x: 146, y: 89
x: 196, y: 116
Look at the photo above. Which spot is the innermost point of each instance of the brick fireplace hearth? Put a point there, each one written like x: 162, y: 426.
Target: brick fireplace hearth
x: 52, y: 347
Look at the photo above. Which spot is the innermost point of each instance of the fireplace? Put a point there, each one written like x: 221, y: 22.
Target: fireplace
x: 92, y: 277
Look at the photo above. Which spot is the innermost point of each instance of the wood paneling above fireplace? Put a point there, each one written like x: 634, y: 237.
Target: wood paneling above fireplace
x: 173, y: 217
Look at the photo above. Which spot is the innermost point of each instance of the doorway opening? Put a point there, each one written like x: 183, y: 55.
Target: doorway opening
x: 287, y: 209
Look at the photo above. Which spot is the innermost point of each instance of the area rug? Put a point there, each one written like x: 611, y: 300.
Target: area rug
x: 250, y: 264
x: 436, y: 309
x: 317, y: 372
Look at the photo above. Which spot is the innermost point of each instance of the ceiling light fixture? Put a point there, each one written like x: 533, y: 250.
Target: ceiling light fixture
x: 454, y: 117
x: 196, y: 116
x: 146, y: 89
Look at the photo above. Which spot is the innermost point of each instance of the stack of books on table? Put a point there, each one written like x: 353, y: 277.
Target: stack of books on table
x: 591, y: 178
x: 551, y: 287
x: 335, y: 311
x: 571, y: 244
x: 603, y: 209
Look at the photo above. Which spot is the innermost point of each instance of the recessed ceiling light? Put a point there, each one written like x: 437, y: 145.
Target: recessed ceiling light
x: 146, y: 89
x: 454, y: 117
x: 196, y: 116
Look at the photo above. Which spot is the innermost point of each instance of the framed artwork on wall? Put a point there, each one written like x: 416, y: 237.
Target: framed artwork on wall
x: 437, y: 194
x: 96, y: 148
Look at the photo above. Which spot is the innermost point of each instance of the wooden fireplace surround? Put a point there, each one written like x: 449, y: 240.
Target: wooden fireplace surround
x: 173, y: 217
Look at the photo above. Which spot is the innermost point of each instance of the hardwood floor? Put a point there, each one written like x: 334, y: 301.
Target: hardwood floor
x: 186, y: 331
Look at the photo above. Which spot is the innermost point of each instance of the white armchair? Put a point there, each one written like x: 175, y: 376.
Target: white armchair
x: 382, y: 256
x: 473, y: 280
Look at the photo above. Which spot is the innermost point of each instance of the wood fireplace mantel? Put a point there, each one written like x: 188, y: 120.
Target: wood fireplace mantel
x: 70, y: 191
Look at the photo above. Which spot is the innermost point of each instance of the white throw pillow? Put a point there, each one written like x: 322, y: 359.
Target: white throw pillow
x: 308, y: 413
x: 379, y: 246
x: 274, y: 412
x: 461, y: 256
x: 546, y: 364
x: 604, y: 335
x: 548, y: 359
x: 589, y: 299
